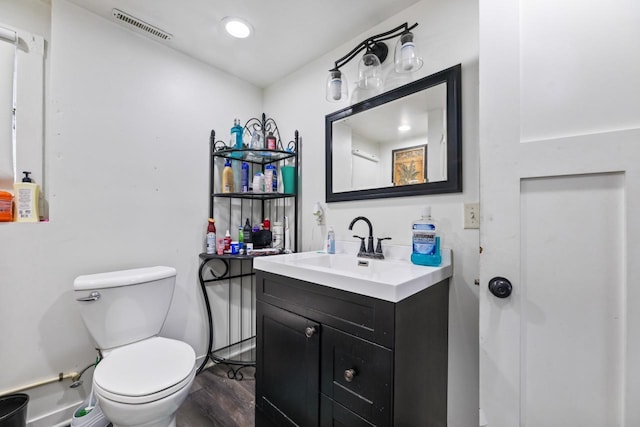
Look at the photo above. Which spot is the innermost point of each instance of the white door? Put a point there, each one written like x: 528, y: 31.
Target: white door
x: 560, y: 212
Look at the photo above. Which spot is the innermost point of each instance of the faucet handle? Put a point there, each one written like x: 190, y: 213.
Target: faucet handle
x: 379, y: 244
x: 363, y: 249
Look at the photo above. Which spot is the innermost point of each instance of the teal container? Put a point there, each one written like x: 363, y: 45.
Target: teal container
x: 429, y: 260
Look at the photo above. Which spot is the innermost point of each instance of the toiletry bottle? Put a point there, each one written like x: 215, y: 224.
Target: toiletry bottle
x: 268, y: 178
x: 240, y: 234
x: 271, y: 141
x: 6, y: 206
x: 246, y: 231
x: 274, y: 179
x: 227, y: 241
x: 236, y: 143
x: 258, y: 183
x: 227, y: 177
x: 26, y: 195
x: 425, y: 241
x: 244, y: 185
x: 236, y: 132
x: 211, y: 236
x: 331, y: 241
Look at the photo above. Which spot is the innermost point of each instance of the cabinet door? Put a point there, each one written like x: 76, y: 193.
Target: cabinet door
x: 333, y: 414
x: 287, y: 366
x: 357, y: 374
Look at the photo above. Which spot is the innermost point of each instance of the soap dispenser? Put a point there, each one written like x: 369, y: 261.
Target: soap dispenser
x: 27, y: 194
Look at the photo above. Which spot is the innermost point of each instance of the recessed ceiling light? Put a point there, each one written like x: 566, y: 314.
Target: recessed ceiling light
x: 237, y: 27
x: 404, y: 128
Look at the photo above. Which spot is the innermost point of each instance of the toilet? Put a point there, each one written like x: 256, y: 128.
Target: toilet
x: 142, y: 379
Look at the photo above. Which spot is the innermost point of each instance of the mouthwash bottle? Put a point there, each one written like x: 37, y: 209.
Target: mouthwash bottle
x: 425, y: 241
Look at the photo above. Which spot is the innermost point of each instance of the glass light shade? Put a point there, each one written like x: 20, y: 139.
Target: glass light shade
x: 406, y: 58
x: 337, y: 87
x: 370, y: 73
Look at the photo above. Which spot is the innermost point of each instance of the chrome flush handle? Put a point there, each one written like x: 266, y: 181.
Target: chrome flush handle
x: 93, y: 296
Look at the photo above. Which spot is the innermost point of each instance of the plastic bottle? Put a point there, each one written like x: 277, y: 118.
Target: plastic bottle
x: 227, y: 177
x: 227, y: 241
x: 244, y: 184
x: 271, y: 141
x: 331, y: 241
x: 268, y: 178
x: 274, y: 179
x: 236, y: 134
x: 211, y: 236
x: 240, y: 234
x: 246, y: 231
x: 27, y: 196
x: 236, y: 144
x: 425, y: 241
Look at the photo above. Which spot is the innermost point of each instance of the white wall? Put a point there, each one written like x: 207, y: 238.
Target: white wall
x: 126, y: 161
x: 447, y: 35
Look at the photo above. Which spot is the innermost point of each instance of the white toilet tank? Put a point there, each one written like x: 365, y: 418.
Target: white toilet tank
x: 122, y: 307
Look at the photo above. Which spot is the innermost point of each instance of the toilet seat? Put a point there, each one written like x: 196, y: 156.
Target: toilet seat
x: 145, y: 371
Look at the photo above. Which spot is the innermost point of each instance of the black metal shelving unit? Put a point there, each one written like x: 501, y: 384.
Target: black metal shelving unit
x: 236, y: 271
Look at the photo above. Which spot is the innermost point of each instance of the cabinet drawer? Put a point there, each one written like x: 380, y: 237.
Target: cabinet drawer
x: 359, y: 315
x: 357, y: 374
x: 333, y: 414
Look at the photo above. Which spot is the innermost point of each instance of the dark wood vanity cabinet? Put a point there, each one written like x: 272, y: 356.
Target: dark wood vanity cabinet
x: 328, y: 357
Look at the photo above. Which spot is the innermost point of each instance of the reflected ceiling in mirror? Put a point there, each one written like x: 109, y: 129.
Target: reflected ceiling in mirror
x: 401, y: 143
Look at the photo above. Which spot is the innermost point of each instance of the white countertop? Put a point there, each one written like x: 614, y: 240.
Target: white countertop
x: 392, y: 279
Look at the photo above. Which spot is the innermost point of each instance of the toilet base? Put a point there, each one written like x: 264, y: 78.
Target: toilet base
x: 160, y: 413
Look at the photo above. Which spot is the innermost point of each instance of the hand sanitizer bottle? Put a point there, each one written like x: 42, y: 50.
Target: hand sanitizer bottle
x: 331, y: 241
x: 425, y: 241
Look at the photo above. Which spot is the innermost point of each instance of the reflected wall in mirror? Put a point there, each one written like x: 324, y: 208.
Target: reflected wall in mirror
x: 403, y: 142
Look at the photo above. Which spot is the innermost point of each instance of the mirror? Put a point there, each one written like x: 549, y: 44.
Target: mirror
x: 404, y: 142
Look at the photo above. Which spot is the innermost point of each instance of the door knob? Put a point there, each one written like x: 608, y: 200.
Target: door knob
x: 309, y: 331
x: 500, y: 287
x: 349, y: 374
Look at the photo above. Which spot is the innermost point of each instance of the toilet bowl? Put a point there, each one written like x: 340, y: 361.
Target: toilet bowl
x: 143, y: 378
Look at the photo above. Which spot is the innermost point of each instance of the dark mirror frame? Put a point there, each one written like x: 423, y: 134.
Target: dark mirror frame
x: 453, y: 184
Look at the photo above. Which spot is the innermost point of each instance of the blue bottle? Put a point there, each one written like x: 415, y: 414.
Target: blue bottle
x: 425, y: 241
x: 244, y: 186
x: 236, y: 134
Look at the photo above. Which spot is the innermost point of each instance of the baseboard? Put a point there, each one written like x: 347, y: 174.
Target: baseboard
x: 61, y: 417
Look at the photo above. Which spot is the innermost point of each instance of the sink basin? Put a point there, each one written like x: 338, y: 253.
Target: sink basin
x: 388, y: 279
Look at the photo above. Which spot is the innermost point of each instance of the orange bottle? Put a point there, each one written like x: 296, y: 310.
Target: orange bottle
x: 6, y: 206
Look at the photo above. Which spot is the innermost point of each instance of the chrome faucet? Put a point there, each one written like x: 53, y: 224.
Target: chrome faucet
x: 368, y: 252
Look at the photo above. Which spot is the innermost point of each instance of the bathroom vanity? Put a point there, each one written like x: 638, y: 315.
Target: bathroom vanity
x: 329, y: 356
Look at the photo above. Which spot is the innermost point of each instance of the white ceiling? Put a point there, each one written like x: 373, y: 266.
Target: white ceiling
x: 287, y: 33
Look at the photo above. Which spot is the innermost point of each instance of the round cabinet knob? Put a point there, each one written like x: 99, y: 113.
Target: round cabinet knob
x: 500, y: 287
x: 349, y: 374
x: 309, y: 331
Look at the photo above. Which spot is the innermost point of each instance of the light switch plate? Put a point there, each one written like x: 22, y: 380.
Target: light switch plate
x: 472, y: 215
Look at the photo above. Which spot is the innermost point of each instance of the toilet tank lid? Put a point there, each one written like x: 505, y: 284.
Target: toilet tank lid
x: 122, y: 278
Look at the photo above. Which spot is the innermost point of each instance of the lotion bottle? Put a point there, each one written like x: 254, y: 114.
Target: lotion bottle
x: 27, y: 194
x: 227, y: 177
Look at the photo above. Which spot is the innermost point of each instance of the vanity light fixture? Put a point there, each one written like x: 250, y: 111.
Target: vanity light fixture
x: 237, y: 27
x: 404, y: 128
x: 370, y: 66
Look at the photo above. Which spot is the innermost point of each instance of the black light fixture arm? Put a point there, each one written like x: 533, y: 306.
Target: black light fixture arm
x: 370, y: 43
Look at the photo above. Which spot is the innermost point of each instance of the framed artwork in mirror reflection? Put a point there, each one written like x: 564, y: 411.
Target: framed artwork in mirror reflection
x: 409, y: 165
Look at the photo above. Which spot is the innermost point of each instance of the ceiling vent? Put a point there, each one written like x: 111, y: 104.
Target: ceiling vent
x: 140, y: 25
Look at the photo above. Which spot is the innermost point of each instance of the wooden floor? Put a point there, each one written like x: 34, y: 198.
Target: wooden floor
x: 217, y: 401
